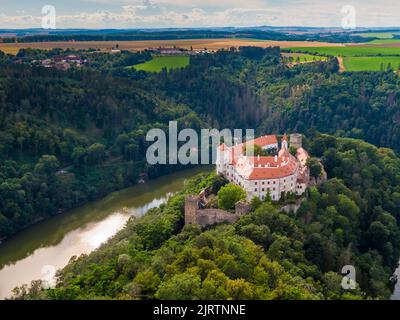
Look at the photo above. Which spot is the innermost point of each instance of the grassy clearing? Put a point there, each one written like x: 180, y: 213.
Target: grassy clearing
x: 160, y: 62
x: 350, y: 51
x: 371, y: 63
x: 302, y: 57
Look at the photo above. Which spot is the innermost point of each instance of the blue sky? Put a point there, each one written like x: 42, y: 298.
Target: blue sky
x: 197, y: 13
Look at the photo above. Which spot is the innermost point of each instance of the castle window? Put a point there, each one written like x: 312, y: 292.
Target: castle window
x: 263, y: 189
x: 255, y: 189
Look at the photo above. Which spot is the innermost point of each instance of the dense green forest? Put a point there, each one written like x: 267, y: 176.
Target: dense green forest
x: 254, y: 88
x: 350, y: 219
x: 70, y: 137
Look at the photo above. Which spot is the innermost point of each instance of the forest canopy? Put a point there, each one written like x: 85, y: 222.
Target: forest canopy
x: 351, y: 219
x: 68, y: 137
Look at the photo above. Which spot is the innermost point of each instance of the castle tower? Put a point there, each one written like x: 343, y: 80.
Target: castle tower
x: 296, y: 140
x: 284, y: 144
x: 191, y: 206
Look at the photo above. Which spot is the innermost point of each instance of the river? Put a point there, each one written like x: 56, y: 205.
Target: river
x: 396, y: 293
x: 37, y: 252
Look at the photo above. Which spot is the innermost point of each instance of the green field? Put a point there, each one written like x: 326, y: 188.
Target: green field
x: 160, y: 62
x: 384, y: 37
x: 371, y: 63
x: 383, y: 41
x: 303, y: 57
x: 349, y: 51
x: 359, y: 58
x: 380, y: 35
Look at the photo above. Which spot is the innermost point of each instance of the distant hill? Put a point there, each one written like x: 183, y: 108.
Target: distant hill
x: 263, y: 32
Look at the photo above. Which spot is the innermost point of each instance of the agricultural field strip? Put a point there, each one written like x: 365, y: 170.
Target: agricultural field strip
x: 348, y: 51
x: 359, y: 57
x: 160, y: 62
x: 211, y: 44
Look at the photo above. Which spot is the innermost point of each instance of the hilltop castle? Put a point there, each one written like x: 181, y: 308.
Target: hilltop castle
x: 263, y: 175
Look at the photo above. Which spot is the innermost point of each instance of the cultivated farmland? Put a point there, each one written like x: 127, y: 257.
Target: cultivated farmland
x: 350, y: 51
x: 160, y: 62
x: 210, y: 44
x: 371, y: 63
x: 359, y: 57
x: 295, y: 58
x: 9, y: 49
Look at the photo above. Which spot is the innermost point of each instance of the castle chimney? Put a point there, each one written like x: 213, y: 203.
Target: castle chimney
x: 258, y: 157
x: 276, y: 158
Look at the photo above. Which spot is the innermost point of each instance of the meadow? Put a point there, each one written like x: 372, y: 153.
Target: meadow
x: 359, y: 57
x: 349, y: 51
x: 160, y: 62
x: 371, y: 63
x: 303, y: 57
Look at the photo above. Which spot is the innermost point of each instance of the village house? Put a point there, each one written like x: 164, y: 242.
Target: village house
x: 273, y: 175
x: 62, y: 62
x: 171, y: 51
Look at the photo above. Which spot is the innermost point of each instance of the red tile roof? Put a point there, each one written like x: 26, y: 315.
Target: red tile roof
x: 264, y: 141
x: 264, y: 168
x: 238, y: 150
x: 284, y: 167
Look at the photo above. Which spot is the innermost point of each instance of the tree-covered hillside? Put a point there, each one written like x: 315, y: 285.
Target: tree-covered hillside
x: 254, y: 88
x: 351, y: 219
x: 70, y: 137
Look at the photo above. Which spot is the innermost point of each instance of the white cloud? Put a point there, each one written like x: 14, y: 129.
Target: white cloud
x: 211, y: 13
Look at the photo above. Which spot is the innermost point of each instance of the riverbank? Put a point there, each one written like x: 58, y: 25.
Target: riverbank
x: 95, y: 196
x: 49, y: 245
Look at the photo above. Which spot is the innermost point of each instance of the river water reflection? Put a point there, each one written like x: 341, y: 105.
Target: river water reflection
x: 41, y: 249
